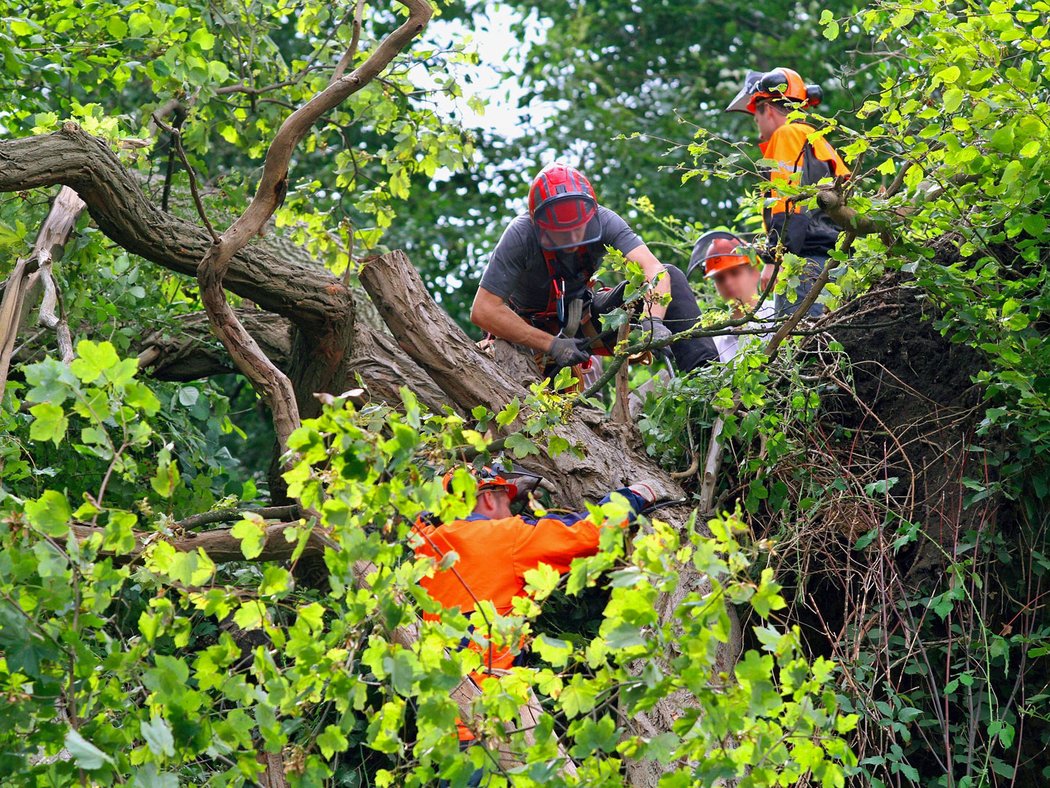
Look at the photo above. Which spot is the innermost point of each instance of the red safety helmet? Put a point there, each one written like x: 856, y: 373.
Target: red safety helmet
x: 718, y: 250
x: 563, y: 208
x: 487, y: 478
x: 781, y: 84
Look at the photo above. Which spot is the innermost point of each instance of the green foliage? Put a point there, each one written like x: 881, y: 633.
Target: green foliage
x: 125, y: 666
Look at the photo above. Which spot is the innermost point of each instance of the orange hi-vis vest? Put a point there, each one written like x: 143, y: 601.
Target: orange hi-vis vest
x: 494, y: 556
x: 786, y: 147
x: 801, y: 162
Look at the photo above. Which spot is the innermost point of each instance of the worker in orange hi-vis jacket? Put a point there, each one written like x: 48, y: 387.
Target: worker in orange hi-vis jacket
x: 800, y: 157
x: 495, y: 549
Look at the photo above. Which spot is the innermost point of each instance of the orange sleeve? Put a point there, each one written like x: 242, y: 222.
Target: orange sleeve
x: 554, y: 543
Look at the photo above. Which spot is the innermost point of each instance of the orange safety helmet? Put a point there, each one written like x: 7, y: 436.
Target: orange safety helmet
x: 716, y: 251
x: 781, y: 84
x: 487, y: 477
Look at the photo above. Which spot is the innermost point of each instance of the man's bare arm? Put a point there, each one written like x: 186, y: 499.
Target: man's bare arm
x: 491, y: 313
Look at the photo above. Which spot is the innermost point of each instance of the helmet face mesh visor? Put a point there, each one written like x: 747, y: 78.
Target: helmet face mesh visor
x: 568, y: 221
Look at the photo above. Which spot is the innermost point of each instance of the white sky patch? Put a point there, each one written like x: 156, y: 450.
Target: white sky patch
x: 493, y: 80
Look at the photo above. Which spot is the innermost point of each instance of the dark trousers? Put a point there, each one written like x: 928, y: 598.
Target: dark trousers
x: 682, y: 314
x: 814, y: 265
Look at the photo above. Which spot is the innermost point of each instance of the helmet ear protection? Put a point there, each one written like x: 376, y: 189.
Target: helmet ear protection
x: 771, y: 81
x: 787, y: 83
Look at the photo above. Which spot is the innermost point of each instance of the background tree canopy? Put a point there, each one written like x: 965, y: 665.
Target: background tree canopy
x: 849, y: 585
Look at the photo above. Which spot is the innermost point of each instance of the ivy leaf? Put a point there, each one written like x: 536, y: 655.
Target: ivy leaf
x: 767, y: 598
x: 553, y: 650
x: 119, y: 535
x: 520, y: 446
x: 251, y: 532
x: 509, y: 413
x: 50, y: 513
x: 578, y: 698
x: 93, y: 359
x: 754, y: 667
x: 332, y: 741
x: 166, y: 479
x: 592, y: 737
x: 541, y: 581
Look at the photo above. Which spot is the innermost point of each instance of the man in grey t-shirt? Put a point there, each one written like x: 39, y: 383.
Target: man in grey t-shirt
x: 545, y: 261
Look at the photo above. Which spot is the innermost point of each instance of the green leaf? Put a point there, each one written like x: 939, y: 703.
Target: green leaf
x: 509, y: 413
x: 948, y: 75
x: 592, y: 737
x: 166, y: 480
x: 557, y: 445
x: 578, y: 697
x: 541, y: 581
x: 754, y: 667
x: 251, y: 531
x: 332, y: 741
x: 1034, y: 224
x: 139, y: 25
x: 553, y: 650
x: 520, y: 446
x: 831, y: 27
x: 157, y: 734
x: 50, y: 513
x: 119, y: 535
x: 93, y: 359
x: 116, y: 27
x: 86, y: 755
x: 952, y: 99
x: 202, y: 38
x: 49, y: 423
x: 1030, y: 149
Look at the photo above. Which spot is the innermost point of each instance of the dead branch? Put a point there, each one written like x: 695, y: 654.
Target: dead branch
x: 51, y: 240
x: 221, y: 546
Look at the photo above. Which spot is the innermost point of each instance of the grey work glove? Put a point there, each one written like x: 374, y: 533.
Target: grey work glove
x: 646, y: 489
x: 565, y: 352
x: 656, y: 327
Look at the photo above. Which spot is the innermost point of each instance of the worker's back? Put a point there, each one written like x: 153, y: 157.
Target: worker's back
x: 494, y: 556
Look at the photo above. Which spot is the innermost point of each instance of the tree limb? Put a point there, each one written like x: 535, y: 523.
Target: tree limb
x: 297, y: 288
x: 273, y: 385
